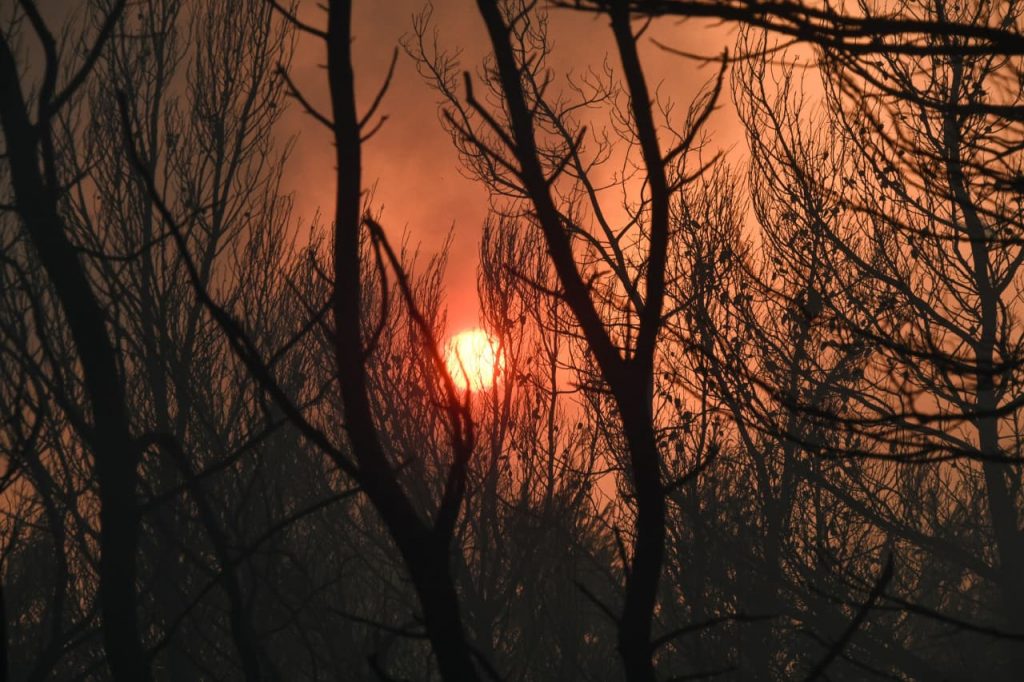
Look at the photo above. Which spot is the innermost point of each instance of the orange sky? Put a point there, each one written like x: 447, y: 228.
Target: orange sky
x: 411, y: 159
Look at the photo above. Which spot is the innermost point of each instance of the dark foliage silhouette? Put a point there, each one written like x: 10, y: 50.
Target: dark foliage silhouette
x: 754, y: 413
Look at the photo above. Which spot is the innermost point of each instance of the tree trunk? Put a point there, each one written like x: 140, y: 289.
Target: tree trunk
x: 109, y: 439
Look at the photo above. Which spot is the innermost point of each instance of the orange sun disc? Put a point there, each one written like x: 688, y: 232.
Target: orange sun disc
x: 473, y: 360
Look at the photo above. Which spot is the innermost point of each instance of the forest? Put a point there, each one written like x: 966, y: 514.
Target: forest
x: 748, y: 412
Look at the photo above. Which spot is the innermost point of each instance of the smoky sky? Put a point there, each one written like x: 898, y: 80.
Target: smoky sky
x: 410, y: 165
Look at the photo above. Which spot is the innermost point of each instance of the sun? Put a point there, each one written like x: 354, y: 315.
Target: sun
x: 473, y: 360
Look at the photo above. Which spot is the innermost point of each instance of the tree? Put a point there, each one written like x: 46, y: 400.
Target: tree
x: 754, y: 418
x: 914, y: 267
x: 526, y: 153
x: 37, y: 187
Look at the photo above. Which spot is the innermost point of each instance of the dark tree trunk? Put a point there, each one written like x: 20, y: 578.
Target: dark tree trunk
x: 109, y: 437
x: 425, y: 551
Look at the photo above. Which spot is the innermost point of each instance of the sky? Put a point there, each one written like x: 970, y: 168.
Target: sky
x: 411, y: 162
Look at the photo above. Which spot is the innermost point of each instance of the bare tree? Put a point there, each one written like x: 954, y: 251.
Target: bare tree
x: 530, y: 151
x: 930, y: 374
x: 757, y: 418
x: 38, y: 189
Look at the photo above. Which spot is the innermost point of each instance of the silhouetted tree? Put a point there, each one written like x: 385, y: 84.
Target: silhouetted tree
x: 38, y: 188
x: 755, y: 419
x: 529, y: 152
